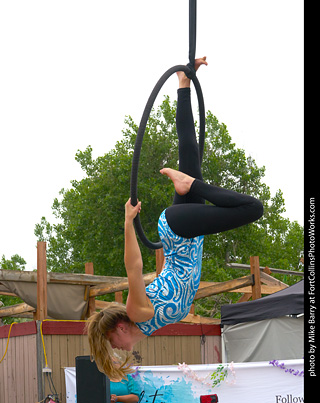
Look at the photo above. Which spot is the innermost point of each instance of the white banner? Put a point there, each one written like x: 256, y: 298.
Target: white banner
x: 246, y: 382
x: 71, y: 391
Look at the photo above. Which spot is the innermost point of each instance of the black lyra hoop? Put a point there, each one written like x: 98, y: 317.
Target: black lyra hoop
x: 190, y: 72
x: 139, y: 140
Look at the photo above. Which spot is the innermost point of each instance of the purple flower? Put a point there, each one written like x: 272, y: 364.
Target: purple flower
x: 275, y: 363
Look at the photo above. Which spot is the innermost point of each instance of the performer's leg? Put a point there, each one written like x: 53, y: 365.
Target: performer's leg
x: 189, y: 159
x: 230, y: 210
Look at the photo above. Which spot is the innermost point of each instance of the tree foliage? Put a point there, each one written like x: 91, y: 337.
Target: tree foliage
x: 90, y: 215
x: 15, y: 263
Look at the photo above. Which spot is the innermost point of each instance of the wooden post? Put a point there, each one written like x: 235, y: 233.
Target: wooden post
x: 267, y: 270
x: 159, y: 261
x: 88, y: 268
x: 255, y: 270
x: 245, y: 297
x: 118, y: 297
x: 192, y: 309
x: 15, y: 310
x: 42, y: 309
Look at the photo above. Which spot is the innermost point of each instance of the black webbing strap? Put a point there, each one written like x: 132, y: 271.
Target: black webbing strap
x: 192, y: 36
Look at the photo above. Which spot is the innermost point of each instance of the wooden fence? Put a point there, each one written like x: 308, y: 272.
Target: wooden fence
x: 18, y: 370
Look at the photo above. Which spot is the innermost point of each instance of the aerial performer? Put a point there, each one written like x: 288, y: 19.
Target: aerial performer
x: 181, y: 227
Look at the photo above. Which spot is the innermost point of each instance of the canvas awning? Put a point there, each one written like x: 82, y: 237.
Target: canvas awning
x: 65, y: 301
x: 289, y: 301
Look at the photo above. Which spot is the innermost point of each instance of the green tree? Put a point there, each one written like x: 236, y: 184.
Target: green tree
x: 15, y: 263
x: 90, y: 214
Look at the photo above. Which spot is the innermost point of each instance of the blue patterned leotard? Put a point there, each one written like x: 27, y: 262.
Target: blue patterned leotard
x: 173, y: 291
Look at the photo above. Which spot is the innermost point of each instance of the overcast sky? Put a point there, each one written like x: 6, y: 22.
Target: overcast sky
x: 71, y: 71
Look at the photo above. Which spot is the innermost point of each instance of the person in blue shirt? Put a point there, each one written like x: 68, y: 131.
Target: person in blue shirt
x: 124, y: 391
x: 181, y: 227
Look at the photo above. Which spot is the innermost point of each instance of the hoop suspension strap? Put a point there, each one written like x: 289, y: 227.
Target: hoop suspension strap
x: 192, y: 36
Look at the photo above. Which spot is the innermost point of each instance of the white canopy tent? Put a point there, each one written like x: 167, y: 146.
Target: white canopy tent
x: 265, y: 329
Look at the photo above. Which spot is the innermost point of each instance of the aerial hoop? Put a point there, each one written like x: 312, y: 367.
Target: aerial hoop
x: 189, y: 71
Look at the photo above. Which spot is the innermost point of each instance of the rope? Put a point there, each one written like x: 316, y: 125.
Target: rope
x: 41, y: 333
x: 8, y: 341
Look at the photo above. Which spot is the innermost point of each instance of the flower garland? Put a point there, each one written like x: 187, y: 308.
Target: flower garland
x: 191, y: 374
x: 217, y: 376
x: 292, y: 371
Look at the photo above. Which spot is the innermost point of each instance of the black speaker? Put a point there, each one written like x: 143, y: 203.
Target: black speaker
x: 92, y: 385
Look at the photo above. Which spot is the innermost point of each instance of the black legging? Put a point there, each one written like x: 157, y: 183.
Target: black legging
x: 189, y: 216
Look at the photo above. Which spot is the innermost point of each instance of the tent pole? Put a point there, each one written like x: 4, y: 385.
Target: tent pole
x: 224, y: 358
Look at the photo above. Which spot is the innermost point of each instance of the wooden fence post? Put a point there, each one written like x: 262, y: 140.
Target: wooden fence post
x: 118, y: 297
x: 88, y: 268
x: 42, y: 310
x: 255, y: 270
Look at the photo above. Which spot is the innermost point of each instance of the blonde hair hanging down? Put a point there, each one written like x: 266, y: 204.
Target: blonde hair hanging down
x: 115, y: 364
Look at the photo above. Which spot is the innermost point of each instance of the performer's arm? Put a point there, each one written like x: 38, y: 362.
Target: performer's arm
x: 139, y: 308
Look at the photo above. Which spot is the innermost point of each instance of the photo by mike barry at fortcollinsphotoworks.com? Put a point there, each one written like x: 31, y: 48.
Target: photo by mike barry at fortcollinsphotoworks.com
x: 310, y: 294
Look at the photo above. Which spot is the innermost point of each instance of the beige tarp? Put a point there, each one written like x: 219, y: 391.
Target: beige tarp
x: 65, y: 301
x: 265, y: 340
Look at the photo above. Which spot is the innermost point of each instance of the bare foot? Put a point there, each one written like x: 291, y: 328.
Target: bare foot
x: 184, y: 81
x: 182, y: 182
